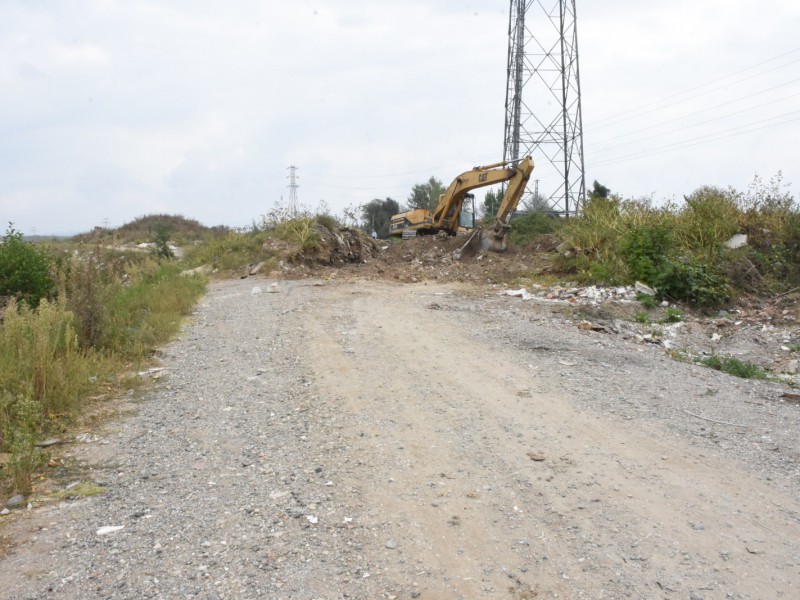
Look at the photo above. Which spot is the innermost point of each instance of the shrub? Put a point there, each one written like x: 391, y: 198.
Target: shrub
x: 525, y: 229
x: 25, y: 270
x: 301, y: 231
x: 693, y: 280
x: 161, y: 241
x: 711, y: 216
x: 20, y: 417
x: 647, y: 300
x: 645, y: 249
x: 734, y: 366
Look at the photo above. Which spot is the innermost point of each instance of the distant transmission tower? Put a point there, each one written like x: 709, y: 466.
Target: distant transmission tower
x: 543, y: 102
x: 293, y: 190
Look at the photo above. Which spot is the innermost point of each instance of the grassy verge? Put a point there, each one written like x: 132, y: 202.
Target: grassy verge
x: 77, y: 345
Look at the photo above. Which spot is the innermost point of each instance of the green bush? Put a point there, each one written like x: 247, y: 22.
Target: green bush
x: 301, y: 231
x: 645, y: 249
x: 20, y: 417
x: 525, y: 229
x: 161, y: 240
x: 26, y: 272
x: 692, y: 280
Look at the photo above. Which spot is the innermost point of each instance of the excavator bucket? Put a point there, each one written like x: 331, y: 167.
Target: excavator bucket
x: 482, y: 239
x: 469, y: 248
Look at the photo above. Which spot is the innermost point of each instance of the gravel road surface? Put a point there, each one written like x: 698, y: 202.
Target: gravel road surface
x: 368, y: 440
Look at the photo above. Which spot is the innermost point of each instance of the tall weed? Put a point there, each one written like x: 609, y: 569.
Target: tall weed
x: 711, y: 216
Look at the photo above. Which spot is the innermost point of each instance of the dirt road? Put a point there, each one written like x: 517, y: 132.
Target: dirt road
x: 368, y: 440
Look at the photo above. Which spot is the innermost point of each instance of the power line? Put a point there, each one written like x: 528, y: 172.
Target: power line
x: 705, y: 122
x: 645, y: 108
x: 715, y: 137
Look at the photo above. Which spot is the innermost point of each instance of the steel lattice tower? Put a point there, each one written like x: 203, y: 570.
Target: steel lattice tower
x: 293, y: 185
x: 543, y: 102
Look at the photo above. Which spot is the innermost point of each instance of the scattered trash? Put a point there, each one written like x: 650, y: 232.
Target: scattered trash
x: 153, y: 373
x: 312, y: 519
x: 273, y: 288
x: 520, y: 293
x: 256, y: 290
x: 737, y: 241
x: 106, y: 529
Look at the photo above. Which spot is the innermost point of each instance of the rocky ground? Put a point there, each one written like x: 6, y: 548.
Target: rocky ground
x: 340, y: 436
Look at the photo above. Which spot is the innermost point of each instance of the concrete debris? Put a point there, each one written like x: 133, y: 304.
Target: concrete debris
x: 15, y: 501
x: 642, y: 288
x: 201, y: 270
x: 575, y: 295
x: 520, y: 293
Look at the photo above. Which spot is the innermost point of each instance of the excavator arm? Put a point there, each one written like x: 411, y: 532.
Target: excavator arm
x: 445, y: 215
x: 494, y: 239
x: 510, y: 201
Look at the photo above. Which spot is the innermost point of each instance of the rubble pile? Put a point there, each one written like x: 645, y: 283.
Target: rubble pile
x: 577, y: 295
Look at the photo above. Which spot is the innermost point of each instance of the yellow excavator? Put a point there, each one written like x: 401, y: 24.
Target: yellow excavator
x: 446, y: 215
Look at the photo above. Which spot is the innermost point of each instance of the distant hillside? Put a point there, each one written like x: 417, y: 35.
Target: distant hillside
x: 143, y: 229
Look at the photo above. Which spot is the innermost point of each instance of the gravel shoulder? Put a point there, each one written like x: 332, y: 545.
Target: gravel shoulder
x: 362, y: 439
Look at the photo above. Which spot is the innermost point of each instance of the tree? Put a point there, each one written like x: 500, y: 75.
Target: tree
x: 491, y: 202
x: 377, y: 214
x: 161, y: 240
x: 426, y: 195
x: 599, y: 190
x: 536, y: 203
x: 25, y: 270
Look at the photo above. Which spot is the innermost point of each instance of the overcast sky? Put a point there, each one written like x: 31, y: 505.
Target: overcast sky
x: 113, y: 109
